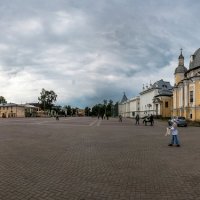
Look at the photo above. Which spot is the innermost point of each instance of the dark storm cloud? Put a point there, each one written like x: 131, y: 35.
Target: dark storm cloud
x: 89, y: 50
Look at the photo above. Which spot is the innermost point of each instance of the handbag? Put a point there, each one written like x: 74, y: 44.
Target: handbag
x: 167, y: 132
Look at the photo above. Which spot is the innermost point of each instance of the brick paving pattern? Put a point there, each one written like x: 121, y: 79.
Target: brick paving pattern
x: 91, y: 159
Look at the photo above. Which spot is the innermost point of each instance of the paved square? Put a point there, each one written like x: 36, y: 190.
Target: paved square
x: 90, y: 159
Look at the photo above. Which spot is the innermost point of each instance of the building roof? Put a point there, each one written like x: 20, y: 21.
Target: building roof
x: 180, y: 69
x: 195, y: 59
x: 29, y: 106
x: 163, y: 87
x: 18, y: 105
x: 164, y: 93
x: 124, y: 98
x: 8, y: 104
x: 161, y: 84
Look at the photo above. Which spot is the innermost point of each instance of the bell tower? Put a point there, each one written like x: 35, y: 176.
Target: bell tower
x: 181, y: 59
x: 180, y: 70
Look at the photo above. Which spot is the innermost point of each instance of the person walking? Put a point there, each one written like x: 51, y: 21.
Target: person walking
x: 57, y: 117
x: 137, y: 119
x: 174, y: 133
x: 151, y: 120
x: 120, y: 118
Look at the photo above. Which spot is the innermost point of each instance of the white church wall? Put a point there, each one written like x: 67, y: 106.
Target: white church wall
x: 146, y: 102
x: 134, y: 106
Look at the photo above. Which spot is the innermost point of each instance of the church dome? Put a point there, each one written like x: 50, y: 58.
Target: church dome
x: 195, y: 59
x: 180, y: 69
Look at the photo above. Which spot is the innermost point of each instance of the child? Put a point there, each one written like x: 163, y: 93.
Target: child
x: 174, y: 133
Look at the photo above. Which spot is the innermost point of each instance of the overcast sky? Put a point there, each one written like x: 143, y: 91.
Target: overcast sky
x: 90, y: 50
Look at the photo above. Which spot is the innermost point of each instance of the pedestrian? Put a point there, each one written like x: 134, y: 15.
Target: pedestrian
x: 174, y: 133
x: 120, y: 118
x: 107, y: 116
x: 137, y: 119
x: 151, y: 120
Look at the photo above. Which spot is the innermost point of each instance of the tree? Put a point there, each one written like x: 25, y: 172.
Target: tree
x: 98, y: 110
x: 47, y: 98
x: 105, y: 102
x: 74, y: 111
x: 116, y: 109
x: 68, y: 110
x: 2, y: 99
x: 95, y: 110
x: 57, y: 109
x: 109, y: 108
x: 87, y: 111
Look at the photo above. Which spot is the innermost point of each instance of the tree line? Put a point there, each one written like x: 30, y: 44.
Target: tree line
x: 103, y: 109
x: 48, y: 98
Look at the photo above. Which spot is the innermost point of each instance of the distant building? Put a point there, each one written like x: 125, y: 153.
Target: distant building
x: 17, y: 110
x: 155, y: 99
x: 80, y: 112
x: 134, y: 105
x: 122, y: 106
x: 160, y: 99
x: 186, y: 92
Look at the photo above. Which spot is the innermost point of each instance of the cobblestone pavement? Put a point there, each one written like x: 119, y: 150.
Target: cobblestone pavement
x: 91, y: 159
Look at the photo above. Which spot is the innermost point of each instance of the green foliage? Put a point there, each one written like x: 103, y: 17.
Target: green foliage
x: 69, y: 110
x: 74, y: 111
x: 87, y: 111
x: 115, y: 110
x: 2, y: 99
x: 57, y: 109
x: 47, y: 98
x: 106, y: 108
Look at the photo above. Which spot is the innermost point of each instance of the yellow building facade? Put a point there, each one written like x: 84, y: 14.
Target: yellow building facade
x: 10, y: 110
x: 166, y: 103
x: 186, y: 92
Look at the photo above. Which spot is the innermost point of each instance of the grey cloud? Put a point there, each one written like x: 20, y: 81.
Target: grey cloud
x: 102, y: 45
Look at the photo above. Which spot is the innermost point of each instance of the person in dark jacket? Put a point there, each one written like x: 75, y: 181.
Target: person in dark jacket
x: 137, y: 119
x: 151, y: 120
x: 120, y: 118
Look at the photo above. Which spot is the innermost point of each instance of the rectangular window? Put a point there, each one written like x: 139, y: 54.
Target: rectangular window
x: 191, y: 96
x: 133, y: 114
x: 166, y: 104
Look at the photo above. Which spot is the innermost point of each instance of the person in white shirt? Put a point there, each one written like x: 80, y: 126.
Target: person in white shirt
x: 174, y: 133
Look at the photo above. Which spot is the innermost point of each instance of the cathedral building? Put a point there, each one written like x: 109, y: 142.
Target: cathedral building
x: 186, y: 91
x: 155, y: 99
x: 123, y: 106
